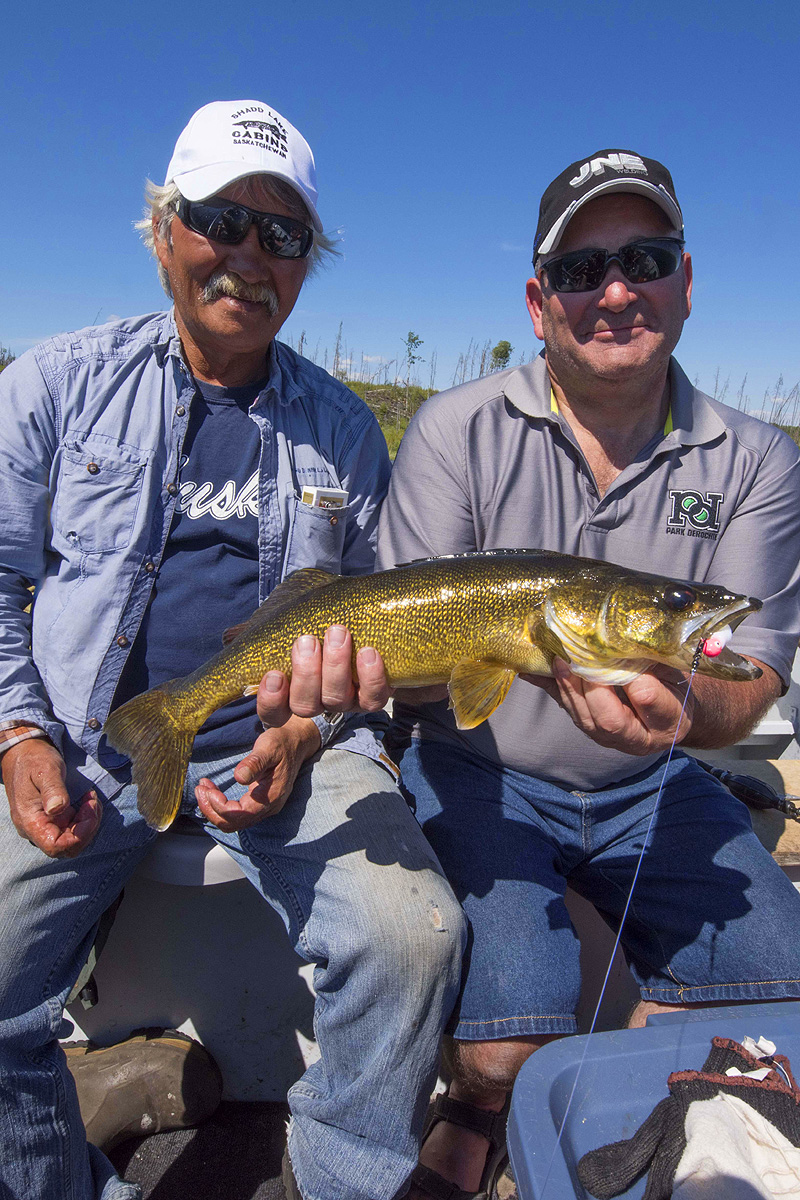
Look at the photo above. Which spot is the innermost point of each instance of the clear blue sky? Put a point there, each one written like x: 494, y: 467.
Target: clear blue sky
x: 435, y: 129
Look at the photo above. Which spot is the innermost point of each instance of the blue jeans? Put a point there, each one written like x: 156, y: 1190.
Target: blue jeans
x: 362, y: 896
x: 712, y: 916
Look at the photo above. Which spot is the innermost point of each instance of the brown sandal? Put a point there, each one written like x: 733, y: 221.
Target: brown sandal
x: 491, y: 1125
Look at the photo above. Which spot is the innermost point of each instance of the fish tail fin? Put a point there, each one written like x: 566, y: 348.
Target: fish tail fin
x: 157, y: 737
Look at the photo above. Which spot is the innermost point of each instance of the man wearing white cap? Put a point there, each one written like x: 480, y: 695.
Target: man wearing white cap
x: 152, y: 475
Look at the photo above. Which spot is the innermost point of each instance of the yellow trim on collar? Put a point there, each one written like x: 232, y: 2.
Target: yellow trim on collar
x: 668, y: 426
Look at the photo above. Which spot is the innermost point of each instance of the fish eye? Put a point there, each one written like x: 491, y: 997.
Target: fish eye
x: 678, y: 599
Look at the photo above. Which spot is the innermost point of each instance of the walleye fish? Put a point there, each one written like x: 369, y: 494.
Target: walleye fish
x: 473, y: 621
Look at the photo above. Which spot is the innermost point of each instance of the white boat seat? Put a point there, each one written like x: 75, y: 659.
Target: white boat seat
x: 184, y: 854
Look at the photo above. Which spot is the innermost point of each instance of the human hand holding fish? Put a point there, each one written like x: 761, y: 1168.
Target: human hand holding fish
x: 269, y: 771
x: 641, y: 717
x: 322, y: 680
x: 41, y: 809
x: 636, y: 718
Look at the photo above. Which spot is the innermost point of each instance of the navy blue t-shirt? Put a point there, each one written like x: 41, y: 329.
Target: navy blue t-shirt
x: 208, y: 579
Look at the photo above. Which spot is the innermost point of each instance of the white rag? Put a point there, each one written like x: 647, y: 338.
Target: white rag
x: 733, y: 1153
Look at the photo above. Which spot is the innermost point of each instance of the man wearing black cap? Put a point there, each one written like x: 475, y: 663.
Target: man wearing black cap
x: 602, y: 448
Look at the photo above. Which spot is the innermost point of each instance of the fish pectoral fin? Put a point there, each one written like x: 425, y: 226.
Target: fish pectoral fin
x: 477, y: 689
x: 298, y: 584
x: 250, y: 690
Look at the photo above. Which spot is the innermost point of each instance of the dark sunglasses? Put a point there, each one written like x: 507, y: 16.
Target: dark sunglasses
x: 641, y: 262
x: 226, y: 222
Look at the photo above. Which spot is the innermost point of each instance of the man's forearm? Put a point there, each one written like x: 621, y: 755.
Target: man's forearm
x: 724, y: 712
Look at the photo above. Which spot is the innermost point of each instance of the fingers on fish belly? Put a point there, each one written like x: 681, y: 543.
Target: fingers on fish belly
x: 615, y: 674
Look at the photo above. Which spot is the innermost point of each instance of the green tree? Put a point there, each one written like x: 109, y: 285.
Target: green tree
x: 501, y: 356
x: 412, y: 344
x: 6, y: 357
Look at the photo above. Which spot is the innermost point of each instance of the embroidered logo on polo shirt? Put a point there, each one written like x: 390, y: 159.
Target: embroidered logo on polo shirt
x: 695, y: 514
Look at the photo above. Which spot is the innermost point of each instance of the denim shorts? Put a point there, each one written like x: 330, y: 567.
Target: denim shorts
x: 713, y: 918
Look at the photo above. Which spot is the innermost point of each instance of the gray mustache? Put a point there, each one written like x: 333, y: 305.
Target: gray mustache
x: 226, y: 283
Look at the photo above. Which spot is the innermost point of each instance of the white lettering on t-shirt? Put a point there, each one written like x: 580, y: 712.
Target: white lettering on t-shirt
x: 196, y: 500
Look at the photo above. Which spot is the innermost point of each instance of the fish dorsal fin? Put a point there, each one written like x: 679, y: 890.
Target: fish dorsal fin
x: 477, y: 689
x: 293, y: 587
x: 499, y: 553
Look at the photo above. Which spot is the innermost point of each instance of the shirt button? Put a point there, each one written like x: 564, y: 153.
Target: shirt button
x: 92, y: 468
x: 180, y: 410
x: 334, y: 520
x: 93, y: 723
x: 149, y: 567
x: 172, y: 488
x: 122, y: 640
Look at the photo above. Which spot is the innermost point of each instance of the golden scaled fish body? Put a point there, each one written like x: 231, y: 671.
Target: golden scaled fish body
x: 473, y: 621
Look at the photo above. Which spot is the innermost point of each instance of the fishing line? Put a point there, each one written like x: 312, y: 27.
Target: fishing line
x: 695, y: 662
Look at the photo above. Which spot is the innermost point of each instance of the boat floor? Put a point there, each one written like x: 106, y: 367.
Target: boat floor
x: 235, y: 1155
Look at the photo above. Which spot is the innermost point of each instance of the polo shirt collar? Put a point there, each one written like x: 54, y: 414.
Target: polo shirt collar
x: 528, y: 389
x: 694, y: 421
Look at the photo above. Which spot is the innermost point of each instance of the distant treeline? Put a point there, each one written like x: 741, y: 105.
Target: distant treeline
x: 393, y: 404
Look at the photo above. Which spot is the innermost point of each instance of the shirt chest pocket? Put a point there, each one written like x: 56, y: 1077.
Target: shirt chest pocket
x: 315, y: 537
x: 97, y: 495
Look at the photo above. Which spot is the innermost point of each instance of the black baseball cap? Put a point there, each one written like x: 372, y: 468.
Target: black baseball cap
x: 605, y: 171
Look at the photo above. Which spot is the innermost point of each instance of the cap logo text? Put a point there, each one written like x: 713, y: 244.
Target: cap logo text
x: 271, y: 135
x: 623, y: 164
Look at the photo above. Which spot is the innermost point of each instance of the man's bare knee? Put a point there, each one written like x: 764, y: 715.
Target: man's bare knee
x: 647, y: 1008
x: 483, y: 1067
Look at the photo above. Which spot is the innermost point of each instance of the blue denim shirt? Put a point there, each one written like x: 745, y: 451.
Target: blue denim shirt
x: 93, y: 424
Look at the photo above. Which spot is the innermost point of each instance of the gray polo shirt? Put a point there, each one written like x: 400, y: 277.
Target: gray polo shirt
x: 493, y: 464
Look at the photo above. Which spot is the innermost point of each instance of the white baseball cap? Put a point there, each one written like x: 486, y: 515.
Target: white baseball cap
x: 229, y: 139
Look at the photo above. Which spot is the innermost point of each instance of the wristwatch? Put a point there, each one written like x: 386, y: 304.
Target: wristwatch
x: 329, y: 724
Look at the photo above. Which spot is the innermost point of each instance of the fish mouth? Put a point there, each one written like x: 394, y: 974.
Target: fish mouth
x: 698, y: 630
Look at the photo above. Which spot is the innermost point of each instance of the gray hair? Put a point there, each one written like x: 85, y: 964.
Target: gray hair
x: 162, y: 201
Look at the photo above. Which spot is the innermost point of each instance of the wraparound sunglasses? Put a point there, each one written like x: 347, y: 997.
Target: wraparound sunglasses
x: 228, y: 223
x: 641, y: 262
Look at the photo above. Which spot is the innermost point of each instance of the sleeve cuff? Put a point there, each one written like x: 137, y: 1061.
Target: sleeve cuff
x: 330, y: 725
